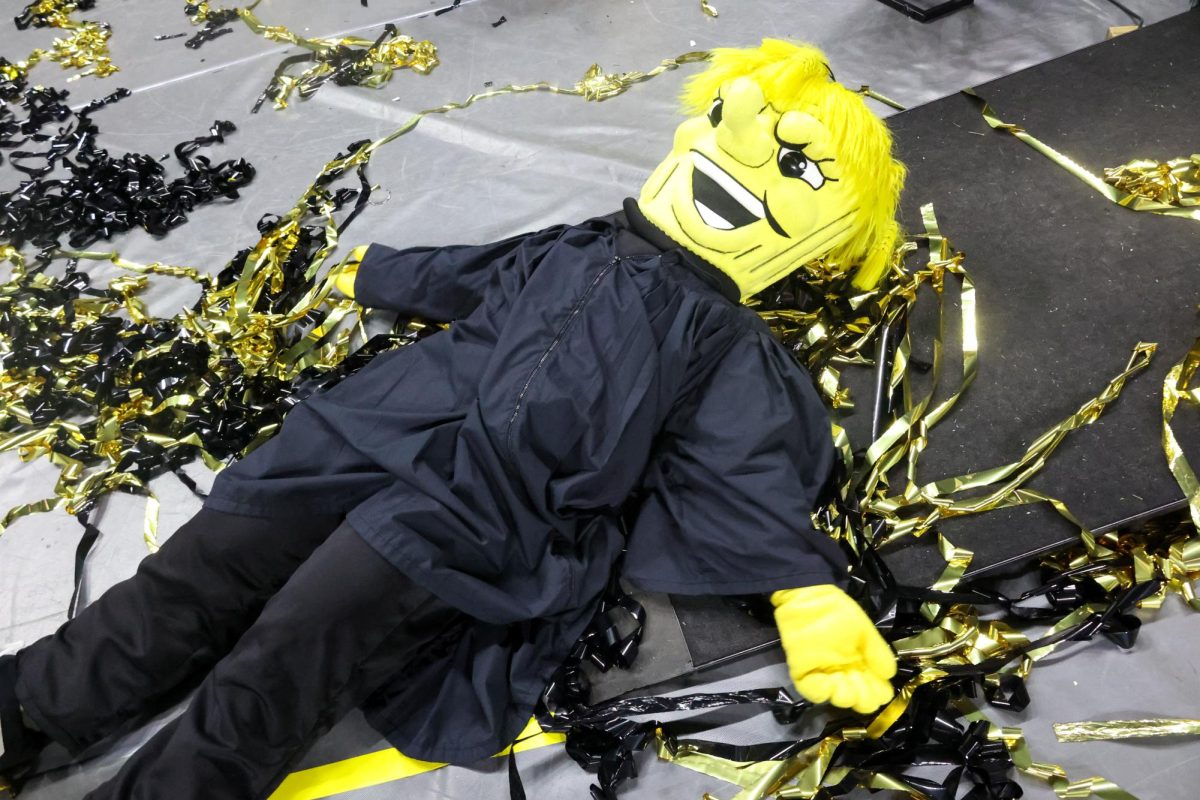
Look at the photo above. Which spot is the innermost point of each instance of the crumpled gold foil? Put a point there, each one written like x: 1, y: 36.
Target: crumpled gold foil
x: 52, y: 13
x: 199, y: 12
x: 1173, y: 183
x: 86, y: 48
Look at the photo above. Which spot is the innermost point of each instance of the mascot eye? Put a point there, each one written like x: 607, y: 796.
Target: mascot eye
x: 714, y: 112
x: 794, y: 164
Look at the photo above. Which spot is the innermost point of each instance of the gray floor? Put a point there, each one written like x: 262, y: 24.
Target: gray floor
x: 514, y: 164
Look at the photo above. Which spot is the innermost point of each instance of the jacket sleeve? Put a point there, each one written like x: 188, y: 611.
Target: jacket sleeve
x: 442, y: 284
x: 727, y: 498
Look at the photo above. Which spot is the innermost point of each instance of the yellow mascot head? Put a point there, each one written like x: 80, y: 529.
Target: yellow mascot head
x: 779, y: 165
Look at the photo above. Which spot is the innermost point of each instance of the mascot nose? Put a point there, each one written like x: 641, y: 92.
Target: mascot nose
x: 743, y: 132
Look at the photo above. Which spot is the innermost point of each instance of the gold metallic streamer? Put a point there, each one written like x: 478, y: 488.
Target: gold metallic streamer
x: 840, y: 339
x: 1117, y: 183
x: 832, y: 335
x: 804, y: 775
x: 938, y: 495
x: 957, y: 634
x: 1125, y: 729
x: 382, y: 59
x: 708, y: 9
x: 836, y: 333
x: 867, y: 91
x: 371, y: 63
x: 226, y: 319
x: 1176, y: 389
x: 1051, y: 774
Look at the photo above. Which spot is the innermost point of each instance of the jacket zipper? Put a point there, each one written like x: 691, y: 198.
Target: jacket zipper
x: 558, y: 337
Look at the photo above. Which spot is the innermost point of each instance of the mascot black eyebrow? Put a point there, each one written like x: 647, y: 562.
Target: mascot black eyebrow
x: 428, y: 538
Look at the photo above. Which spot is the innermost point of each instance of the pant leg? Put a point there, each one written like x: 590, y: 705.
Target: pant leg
x: 165, y: 627
x: 343, y: 625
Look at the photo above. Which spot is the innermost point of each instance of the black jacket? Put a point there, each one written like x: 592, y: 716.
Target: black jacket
x: 591, y: 370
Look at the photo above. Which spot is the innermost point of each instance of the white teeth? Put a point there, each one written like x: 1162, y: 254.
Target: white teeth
x: 727, y: 182
x: 711, y: 218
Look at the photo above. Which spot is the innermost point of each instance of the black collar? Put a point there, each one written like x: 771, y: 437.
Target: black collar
x: 648, y: 231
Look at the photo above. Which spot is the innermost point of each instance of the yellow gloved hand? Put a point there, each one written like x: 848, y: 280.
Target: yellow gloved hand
x: 834, y: 653
x: 348, y: 271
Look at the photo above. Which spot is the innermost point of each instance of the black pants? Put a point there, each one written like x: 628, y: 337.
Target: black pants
x: 294, y: 621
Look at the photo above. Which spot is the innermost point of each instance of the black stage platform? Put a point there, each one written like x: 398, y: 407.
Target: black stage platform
x: 1067, y: 283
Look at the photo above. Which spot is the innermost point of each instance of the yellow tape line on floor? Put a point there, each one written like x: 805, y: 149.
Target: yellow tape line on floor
x: 383, y: 766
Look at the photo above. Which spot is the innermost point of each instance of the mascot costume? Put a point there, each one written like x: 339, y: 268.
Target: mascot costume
x: 428, y: 538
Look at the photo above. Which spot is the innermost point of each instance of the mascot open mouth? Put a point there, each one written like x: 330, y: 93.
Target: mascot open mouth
x: 721, y: 201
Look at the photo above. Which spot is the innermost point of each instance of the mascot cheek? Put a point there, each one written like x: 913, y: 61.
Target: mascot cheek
x: 689, y: 134
x: 803, y: 212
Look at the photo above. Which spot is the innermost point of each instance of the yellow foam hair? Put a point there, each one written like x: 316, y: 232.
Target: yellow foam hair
x: 797, y: 77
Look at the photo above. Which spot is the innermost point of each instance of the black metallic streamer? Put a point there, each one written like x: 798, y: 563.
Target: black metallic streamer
x: 98, y: 194
x: 55, y: 327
